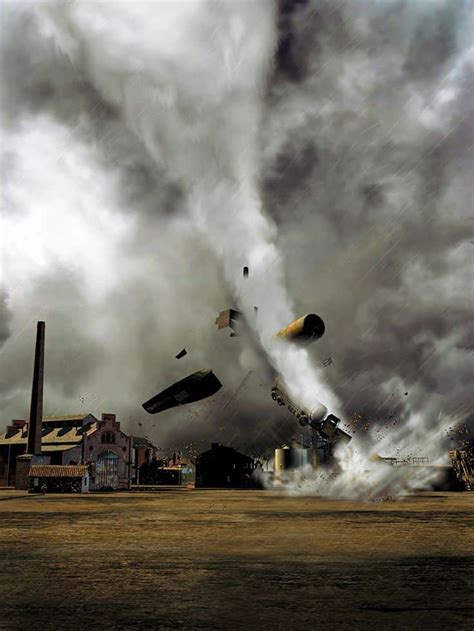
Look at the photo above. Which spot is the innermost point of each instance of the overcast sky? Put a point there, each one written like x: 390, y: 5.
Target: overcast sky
x: 150, y: 150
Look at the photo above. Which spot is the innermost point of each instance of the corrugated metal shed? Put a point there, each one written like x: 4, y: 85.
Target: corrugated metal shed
x: 57, y: 471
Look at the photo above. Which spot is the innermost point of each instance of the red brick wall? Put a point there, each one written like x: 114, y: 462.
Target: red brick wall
x: 93, y: 446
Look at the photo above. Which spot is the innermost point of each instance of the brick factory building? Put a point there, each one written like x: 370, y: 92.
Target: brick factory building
x: 74, y: 440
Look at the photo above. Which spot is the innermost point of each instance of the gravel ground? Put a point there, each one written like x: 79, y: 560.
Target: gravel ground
x: 208, y: 559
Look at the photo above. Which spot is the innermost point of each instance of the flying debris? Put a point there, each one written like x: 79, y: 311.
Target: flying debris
x: 463, y: 468
x: 228, y: 319
x: 181, y: 353
x: 311, y: 415
x: 199, y: 385
x: 304, y: 330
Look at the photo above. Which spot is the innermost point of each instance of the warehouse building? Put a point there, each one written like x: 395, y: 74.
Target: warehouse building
x: 225, y: 467
x: 74, y: 440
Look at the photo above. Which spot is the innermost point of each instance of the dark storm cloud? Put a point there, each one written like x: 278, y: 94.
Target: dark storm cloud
x: 370, y: 157
x: 40, y: 79
x: 433, y: 41
x: 5, y: 318
x: 71, y: 346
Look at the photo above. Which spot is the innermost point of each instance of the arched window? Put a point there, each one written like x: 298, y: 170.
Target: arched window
x: 108, y: 437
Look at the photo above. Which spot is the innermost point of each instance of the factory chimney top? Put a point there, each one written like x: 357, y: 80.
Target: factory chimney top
x: 36, y: 409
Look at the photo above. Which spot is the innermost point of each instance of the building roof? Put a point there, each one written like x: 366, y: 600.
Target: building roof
x: 61, y: 417
x: 222, y: 452
x: 66, y: 417
x: 57, y: 471
x: 177, y: 467
x: 140, y: 442
x: 71, y: 435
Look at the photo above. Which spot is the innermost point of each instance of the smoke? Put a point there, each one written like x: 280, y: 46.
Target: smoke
x: 138, y: 153
x: 359, y: 471
x: 359, y: 478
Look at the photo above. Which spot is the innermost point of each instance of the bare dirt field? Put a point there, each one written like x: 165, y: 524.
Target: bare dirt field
x: 202, y: 559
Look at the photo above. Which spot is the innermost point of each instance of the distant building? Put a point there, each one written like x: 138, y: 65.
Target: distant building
x: 143, y: 452
x: 74, y: 440
x: 166, y: 467
x: 181, y: 473
x: 224, y: 467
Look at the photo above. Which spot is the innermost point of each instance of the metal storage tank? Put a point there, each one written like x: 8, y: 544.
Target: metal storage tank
x: 288, y: 458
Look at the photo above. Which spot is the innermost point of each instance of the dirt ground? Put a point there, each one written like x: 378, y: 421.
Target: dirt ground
x: 202, y: 559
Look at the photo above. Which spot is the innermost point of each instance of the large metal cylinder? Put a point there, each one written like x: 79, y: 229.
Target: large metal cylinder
x: 290, y: 458
x: 305, y: 413
x: 304, y: 330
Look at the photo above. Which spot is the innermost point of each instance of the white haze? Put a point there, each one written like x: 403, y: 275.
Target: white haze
x: 140, y: 140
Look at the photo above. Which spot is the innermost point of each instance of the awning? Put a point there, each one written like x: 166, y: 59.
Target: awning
x: 57, y: 471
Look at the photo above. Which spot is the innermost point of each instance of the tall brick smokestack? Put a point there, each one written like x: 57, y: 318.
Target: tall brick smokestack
x: 36, y: 411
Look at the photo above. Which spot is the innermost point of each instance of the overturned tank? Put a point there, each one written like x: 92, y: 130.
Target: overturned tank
x: 304, y: 330
x: 313, y: 415
x: 304, y: 413
x: 199, y: 385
